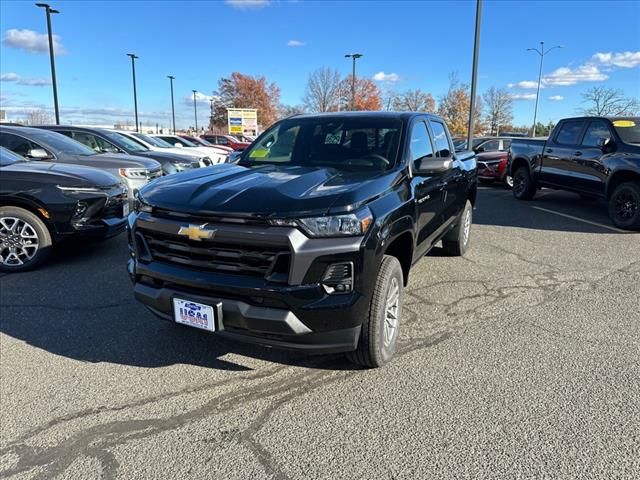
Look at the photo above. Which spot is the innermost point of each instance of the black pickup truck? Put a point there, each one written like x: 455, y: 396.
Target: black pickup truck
x: 306, y: 243
x: 596, y: 157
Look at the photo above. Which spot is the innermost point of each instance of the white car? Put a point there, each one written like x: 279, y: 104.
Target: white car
x: 157, y: 145
x: 185, y: 144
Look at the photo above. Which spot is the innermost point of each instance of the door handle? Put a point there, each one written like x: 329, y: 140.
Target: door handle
x: 577, y: 154
x: 549, y: 150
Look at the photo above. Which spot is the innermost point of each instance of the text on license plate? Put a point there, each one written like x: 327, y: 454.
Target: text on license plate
x: 194, y: 314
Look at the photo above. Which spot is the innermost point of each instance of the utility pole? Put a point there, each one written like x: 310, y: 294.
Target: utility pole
x: 49, y: 11
x: 474, y: 74
x: 353, y: 56
x: 135, y: 94
x: 173, y: 110
x: 542, y: 53
x: 195, y: 110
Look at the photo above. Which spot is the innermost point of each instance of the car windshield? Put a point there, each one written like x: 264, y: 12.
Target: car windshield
x: 7, y: 157
x: 155, y: 141
x: 357, y: 143
x: 59, y: 143
x: 628, y: 129
x: 182, y: 141
x: 125, y: 143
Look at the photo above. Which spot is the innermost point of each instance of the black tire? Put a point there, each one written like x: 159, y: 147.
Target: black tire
x: 624, y: 206
x: 376, y: 347
x: 456, y: 242
x: 524, y: 187
x: 19, y: 251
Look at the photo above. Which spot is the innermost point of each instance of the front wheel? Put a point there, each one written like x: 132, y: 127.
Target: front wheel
x: 379, y: 334
x: 624, y: 206
x: 523, y: 186
x: 25, y: 241
x: 456, y: 242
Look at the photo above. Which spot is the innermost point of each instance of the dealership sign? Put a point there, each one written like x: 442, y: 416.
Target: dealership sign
x: 243, y: 121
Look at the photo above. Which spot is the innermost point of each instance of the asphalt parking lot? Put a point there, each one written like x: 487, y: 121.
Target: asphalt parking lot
x: 520, y: 360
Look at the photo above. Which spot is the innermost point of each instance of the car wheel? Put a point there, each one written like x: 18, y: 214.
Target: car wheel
x: 379, y: 334
x: 624, y: 206
x: 523, y: 186
x: 508, y: 181
x: 25, y: 241
x: 456, y: 242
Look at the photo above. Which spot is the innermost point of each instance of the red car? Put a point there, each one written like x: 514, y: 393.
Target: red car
x: 225, y: 140
x: 202, y: 142
x: 492, y: 166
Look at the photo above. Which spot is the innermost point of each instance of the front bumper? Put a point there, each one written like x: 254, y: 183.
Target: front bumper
x: 296, y: 313
x: 491, y: 169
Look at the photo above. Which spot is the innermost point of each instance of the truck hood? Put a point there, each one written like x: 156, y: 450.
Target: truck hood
x: 63, y: 174
x: 166, y: 157
x: 122, y: 160
x: 270, y: 190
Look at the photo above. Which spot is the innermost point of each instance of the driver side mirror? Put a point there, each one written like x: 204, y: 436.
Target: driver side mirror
x: 38, y: 154
x: 479, y: 150
x: 430, y: 165
x: 607, y: 145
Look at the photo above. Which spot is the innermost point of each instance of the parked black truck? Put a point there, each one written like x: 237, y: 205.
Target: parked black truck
x: 596, y: 157
x: 306, y: 243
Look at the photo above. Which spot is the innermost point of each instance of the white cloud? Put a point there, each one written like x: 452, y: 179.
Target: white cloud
x: 201, y: 99
x: 248, y: 4
x: 32, y: 82
x: 525, y: 84
x: 621, y: 59
x: 564, y: 76
x: 386, y: 77
x: 523, y: 96
x: 556, y: 98
x: 32, y: 42
x: 295, y: 43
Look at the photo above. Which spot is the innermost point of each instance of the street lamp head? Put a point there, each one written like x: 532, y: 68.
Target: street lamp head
x: 171, y: 77
x: 44, y: 5
x: 51, y: 10
x: 194, y: 91
x: 132, y: 55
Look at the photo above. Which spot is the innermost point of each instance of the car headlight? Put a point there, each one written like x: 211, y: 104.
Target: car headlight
x: 72, y: 190
x: 134, y: 173
x: 183, y: 165
x: 139, y: 205
x: 347, y: 225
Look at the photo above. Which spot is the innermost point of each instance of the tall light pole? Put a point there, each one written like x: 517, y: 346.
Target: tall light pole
x: 49, y: 11
x: 542, y: 53
x: 173, y: 110
x: 195, y: 110
x: 474, y: 74
x: 135, y: 93
x: 353, y: 56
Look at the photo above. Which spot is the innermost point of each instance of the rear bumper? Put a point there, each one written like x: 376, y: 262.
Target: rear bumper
x: 266, y: 326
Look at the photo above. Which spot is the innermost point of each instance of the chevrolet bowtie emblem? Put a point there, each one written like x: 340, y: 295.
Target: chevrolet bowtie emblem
x: 197, y: 232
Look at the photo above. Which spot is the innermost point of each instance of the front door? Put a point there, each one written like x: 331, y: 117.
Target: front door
x: 590, y: 174
x: 557, y: 161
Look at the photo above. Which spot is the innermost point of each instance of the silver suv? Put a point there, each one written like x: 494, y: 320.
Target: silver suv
x: 43, y: 145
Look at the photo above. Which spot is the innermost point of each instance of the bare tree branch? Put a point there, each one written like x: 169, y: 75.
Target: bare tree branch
x: 608, y: 102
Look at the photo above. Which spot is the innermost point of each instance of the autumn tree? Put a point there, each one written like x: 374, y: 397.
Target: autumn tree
x: 38, y: 117
x: 367, y: 95
x: 323, y: 90
x: 285, y: 111
x: 499, y: 106
x: 244, y: 91
x: 455, y: 105
x: 414, y: 101
x: 602, y: 102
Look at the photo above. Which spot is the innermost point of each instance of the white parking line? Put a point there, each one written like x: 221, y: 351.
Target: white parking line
x: 578, y: 219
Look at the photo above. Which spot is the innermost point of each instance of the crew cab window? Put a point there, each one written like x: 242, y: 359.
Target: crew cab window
x: 569, y: 133
x: 441, y: 139
x: 595, y: 134
x: 17, y: 144
x: 420, y: 143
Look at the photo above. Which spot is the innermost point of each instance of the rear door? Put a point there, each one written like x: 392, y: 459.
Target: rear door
x: 453, y: 184
x: 591, y: 174
x: 427, y: 188
x: 557, y: 157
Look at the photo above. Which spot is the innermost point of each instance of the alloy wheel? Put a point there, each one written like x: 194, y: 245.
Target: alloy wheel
x: 626, y: 205
x: 391, y: 312
x: 18, y: 241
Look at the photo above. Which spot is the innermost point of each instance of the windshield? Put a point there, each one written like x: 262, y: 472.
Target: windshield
x: 155, y: 141
x: 125, y: 142
x: 59, y: 143
x: 181, y: 141
x: 337, y: 142
x: 628, y: 129
x: 7, y: 157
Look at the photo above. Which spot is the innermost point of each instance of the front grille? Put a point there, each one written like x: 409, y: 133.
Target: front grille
x: 253, y: 260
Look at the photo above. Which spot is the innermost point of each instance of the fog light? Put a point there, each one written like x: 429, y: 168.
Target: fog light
x: 81, y: 209
x: 338, y: 278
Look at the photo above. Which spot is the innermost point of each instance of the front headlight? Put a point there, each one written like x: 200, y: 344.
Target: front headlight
x: 134, y: 173
x: 351, y: 224
x: 139, y: 205
x: 72, y: 190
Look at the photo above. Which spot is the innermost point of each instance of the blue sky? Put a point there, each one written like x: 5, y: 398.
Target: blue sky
x: 414, y: 44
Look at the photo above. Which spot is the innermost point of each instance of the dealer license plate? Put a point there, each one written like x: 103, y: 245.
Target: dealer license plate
x: 125, y: 209
x: 194, y: 314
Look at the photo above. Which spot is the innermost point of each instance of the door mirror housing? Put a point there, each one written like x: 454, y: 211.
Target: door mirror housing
x: 430, y: 165
x: 607, y: 145
x: 39, y: 154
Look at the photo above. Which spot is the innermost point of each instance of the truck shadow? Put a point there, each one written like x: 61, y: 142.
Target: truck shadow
x: 548, y: 210
x: 80, y: 306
